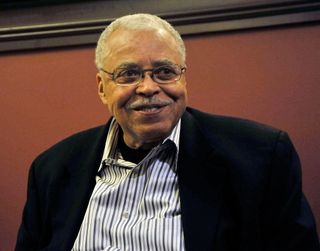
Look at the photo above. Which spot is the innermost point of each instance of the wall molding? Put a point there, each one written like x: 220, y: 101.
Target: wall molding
x: 41, y: 31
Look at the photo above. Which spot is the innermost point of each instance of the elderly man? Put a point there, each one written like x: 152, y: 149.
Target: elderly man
x: 160, y: 176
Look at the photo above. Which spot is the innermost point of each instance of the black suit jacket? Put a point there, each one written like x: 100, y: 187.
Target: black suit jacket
x: 239, y: 181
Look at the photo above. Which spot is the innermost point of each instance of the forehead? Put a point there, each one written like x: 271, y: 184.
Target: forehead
x: 141, y: 47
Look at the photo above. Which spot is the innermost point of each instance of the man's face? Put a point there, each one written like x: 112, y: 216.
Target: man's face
x: 144, y: 124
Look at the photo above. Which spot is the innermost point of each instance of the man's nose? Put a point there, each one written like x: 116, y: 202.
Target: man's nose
x: 147, y: 85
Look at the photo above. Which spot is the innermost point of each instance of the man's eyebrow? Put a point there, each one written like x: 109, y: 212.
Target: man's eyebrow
x: 127, y: 65
x: 162, y: 62
x: 156, y: 63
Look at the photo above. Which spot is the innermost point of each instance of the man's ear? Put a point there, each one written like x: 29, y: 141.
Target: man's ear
x: 101, y: 88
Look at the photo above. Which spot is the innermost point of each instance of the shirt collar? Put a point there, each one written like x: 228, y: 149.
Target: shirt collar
x: 112, y: 140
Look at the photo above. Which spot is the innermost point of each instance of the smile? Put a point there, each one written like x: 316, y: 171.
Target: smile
x: 149, y: 108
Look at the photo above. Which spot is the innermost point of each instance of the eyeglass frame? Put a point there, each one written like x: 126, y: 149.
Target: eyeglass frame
x: 142, y: 75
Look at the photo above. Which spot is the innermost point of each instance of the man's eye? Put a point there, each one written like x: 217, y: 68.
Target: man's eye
x: 166, y: 72
x: 127, y: 76
x: 128, y: 73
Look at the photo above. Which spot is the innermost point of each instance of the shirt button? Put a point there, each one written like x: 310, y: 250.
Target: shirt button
x: 125, y: 215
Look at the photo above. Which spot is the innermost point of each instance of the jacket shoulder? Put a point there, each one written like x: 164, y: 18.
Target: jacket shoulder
x: 74, y: 144
x: 233, y: 128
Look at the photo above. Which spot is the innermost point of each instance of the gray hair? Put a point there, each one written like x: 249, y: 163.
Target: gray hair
x: 140, y: 22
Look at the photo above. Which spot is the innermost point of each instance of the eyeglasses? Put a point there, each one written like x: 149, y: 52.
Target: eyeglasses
x: 164, y: 74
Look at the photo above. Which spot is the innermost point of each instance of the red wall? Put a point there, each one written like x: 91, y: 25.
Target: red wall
x: 267, y: 75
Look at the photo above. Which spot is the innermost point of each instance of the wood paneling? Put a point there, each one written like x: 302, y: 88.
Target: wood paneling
x: 80, y: 22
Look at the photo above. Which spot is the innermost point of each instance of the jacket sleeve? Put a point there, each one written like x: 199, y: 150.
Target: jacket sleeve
x: 29, y: 231
x: 288, y: 221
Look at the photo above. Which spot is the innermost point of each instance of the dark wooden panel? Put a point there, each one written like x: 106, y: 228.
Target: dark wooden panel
x: 80, y: 22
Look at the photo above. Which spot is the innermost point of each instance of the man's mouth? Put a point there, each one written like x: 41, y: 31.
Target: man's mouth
x: 149, y: 108
x: 146, y: 105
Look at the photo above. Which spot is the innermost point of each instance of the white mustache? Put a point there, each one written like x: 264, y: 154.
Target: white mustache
x: 148, y: 102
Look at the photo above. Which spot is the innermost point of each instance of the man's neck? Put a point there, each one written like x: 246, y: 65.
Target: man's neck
x: 130, y: 154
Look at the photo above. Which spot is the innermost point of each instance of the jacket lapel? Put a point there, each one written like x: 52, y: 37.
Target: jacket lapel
x: 81, y: 185
x: 200, y: 184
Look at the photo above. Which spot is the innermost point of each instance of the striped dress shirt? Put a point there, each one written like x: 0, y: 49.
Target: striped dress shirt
x: 134, y: 206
